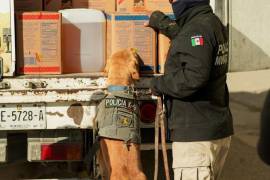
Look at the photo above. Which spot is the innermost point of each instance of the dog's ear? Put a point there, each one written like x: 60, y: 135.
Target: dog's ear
x: 134, y: 69
x: 134, y: 51
x: 133, y: 65
x: 107, y: 67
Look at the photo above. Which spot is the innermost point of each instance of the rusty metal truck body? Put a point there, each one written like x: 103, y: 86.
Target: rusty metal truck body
x: 56, y: 113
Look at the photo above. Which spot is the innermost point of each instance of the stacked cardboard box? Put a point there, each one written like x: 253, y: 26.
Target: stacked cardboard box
x: 39, y: 51
x: 132, y: 6
x: 56, y: 5
x: 127, y: 30
x: 161, y: 5
x: 143, y: 5
x: 104, y: 5
x: 163, y: 48
x: 39, y: 43
x: 28, y: 5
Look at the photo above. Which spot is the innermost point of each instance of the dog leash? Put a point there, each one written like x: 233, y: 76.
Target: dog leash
x: 163, y: 141
x: 160, y: 123
x: 158, y: 111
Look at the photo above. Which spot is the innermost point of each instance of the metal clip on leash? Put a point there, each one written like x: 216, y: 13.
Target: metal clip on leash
x: 160, y: 123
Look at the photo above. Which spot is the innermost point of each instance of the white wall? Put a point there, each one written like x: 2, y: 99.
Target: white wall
x: 212, y: 3
x: 249, y: 27
x: 249, y: 33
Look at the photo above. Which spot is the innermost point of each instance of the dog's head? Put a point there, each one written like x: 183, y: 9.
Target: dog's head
x: 123, y: 67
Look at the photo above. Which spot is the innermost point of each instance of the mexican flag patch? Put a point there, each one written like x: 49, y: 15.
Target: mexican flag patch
x: 197, y: 41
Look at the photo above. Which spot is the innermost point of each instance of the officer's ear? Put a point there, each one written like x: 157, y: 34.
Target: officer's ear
x: 107, y: 67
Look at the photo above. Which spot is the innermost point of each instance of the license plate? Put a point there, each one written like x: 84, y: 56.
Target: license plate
x: 22, y: 116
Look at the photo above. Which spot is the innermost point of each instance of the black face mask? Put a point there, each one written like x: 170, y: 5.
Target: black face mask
x: 180, y: 6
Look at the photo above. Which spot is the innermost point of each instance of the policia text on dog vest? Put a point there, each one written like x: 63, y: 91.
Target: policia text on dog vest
x: 118, y: 117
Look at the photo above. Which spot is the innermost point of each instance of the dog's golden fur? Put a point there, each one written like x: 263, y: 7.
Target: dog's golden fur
x: 123, y: 68
x: 117, y: 161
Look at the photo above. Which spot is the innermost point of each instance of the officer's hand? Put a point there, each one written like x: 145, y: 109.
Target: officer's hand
x: 154, y: 20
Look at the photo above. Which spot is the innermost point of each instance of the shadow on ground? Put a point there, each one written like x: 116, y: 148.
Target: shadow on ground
x: 243, y: 163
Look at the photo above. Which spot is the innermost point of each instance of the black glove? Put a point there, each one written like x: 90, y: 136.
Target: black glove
x: 164, y: 24
x: 155, y: 20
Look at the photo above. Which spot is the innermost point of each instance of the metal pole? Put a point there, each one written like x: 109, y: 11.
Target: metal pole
x: 160, y: 123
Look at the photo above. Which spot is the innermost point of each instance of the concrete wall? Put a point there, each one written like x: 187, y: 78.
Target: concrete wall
x: 212, y: 3
x: 4, y: 23
x: 249, y: 33
x: 248, y: 23
x: 220, y: 8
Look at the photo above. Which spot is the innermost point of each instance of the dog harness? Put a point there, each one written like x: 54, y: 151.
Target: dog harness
x: 118, y: 115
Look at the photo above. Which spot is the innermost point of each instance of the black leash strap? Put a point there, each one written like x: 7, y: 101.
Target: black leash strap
x: 161, y: 130
x: 92, y: 152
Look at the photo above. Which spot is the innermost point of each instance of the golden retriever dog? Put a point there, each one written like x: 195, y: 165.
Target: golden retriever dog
x: 117, y: 160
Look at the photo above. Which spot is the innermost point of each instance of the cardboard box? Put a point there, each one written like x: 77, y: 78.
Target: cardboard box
x: 126, y: 31
x: 163, y: 48
x: 161, y: 5
x: 7, y: 38
x: 39, y: 43
x: 128, y: 6
x: 28, y: 5
x: 56, y: 5
x: 104, y: 5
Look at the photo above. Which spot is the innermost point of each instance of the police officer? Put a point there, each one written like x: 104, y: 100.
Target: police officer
x: 195, y: 90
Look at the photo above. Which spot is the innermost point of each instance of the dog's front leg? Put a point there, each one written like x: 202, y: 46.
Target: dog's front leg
x: 103, y: 170
x: 134, y: 165
x: 115, y: 158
